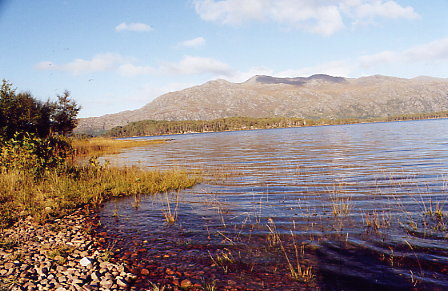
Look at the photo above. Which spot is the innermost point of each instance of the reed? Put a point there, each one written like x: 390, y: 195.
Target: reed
x: 72, y: 186
x: 103, y: 146
x: 223, y: 259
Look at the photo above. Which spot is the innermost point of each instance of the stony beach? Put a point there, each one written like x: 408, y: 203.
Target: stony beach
x: 72, y: 253
x: 62, y: 255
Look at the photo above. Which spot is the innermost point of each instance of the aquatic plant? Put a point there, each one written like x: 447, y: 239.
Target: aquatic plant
x: 224, y: 259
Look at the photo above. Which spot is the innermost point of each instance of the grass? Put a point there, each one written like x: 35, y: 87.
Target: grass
x: 71, y: 185
x: 170, y: 216
x: 223, y: 259
x: 297, y: 270
x: 75, y: 186
x: 102, y: 146
x: 341, y: 204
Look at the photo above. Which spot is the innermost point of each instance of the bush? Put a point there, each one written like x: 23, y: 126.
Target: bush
x: 33, y: 154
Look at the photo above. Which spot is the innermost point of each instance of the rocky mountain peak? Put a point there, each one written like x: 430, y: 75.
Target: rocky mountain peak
x: 316, y: 96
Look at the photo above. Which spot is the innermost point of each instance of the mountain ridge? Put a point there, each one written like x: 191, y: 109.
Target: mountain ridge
x: 316, y: 96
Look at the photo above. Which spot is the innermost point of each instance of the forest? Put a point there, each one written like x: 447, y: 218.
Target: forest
x: 162, y: 127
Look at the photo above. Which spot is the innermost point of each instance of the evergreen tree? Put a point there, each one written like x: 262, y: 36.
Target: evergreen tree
x: 64, y: 114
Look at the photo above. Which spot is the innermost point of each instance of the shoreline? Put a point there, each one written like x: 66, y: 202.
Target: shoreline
x: 73, y: 253
x: 66, y: 254
x: 307, y: 124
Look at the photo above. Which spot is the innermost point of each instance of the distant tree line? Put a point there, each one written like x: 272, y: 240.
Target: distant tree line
x: 153, y: 127
x: 156, y: 127
x: 21, y: 113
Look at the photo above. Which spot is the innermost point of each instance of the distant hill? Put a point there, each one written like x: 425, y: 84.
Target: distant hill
x: 317, y: 96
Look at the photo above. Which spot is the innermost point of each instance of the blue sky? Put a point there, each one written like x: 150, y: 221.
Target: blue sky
x: 119, y: 55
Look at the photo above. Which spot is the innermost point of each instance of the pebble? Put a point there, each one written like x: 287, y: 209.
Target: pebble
x: 61, y: 256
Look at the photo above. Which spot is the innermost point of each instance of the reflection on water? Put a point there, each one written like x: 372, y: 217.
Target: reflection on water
x: 366, y: 202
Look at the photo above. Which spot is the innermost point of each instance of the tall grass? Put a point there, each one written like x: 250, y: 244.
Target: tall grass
x: 62, y: 190
x: 59, y: 190
x: 101, y: 146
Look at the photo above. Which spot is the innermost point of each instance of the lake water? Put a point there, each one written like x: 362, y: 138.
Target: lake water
x: 364, y: 205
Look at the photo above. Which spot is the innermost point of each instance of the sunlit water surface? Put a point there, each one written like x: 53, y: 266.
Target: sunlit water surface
x: 367, y: 202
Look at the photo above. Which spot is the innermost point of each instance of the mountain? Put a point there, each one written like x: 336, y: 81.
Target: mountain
x: 316, y: 96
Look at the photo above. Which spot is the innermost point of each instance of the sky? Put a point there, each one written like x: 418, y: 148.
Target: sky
x: 115, y: 55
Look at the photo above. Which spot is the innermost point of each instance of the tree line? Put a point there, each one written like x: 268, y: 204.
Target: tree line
x: 155, y: 127
x: 162, y: 127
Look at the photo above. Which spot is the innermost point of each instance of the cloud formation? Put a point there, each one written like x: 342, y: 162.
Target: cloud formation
x: 324, y: 17
x: 136, y: 26
x: 193, y: 43
x: 131, y: 70
x: 434, y: 51
x: 99, y: 63
x: 190, y: 65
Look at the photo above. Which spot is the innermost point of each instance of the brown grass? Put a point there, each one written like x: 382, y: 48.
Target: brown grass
x: 102, y: 146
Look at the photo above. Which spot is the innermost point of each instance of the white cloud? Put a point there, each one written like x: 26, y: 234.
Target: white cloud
x: 230, y: 11
x: 323, y: 17
x: 100, y: 62
x: 376, y: 8
x: 125, y: 66
x: 334, y: 68
x: 190, y: 65
x: 193, y: 43
x: 434, y: 51
x: 133, y: 27
x: 431, y: 52
x: 131, y: 70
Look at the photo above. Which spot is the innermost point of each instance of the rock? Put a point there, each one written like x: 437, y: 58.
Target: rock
x: 186, y: 284
x: 85, y: 262
x: 105, y: 265
x: 122, y: 283
x: 106, y: 283
x: 77, y: 280
x: 95, y: 275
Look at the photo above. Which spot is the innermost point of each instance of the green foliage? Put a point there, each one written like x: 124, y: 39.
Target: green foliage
x: 22, y: 113
x: 60, y: 191
x: 32, y: 154
x: 155, y: 127
x: 64, y: 114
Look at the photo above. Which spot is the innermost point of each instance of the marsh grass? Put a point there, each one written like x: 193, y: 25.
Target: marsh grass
x: 170, y: 216
x: 340, y: 201
x: 72, y: 186
x: 102, y: 146
x: 377, y: 221
x: 156, y: 287
x: 223, y: 259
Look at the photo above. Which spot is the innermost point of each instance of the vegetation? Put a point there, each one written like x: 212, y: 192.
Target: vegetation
x: 153, y: 127
x: 39, y: 179
x: 67, y: 187
x: 21, y: 113
x: 101, y: 146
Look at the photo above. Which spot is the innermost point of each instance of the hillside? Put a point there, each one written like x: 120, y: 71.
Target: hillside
x: 318, y: 96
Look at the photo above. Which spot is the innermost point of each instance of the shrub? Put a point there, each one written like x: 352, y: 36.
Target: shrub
x: 32, y: 154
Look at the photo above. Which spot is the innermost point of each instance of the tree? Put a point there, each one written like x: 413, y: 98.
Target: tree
x: 64, y: 114
x: 21, y: 113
